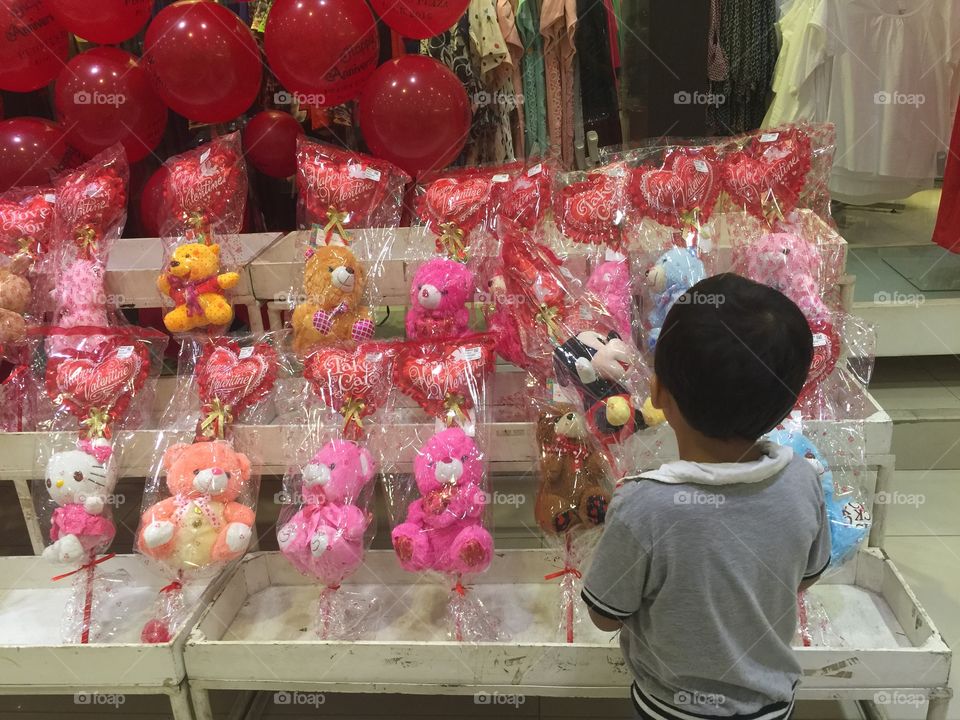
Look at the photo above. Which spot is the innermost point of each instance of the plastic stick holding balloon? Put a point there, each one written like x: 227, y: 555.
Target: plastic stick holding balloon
x: 837, y: 459
x: 199, y: 505
x: 572, y: 499
x: 435, y: 473
x: 204, y: 197
x: 327, y: 521
x: 92, y: 388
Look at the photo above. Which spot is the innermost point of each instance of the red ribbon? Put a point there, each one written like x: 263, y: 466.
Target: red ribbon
x: 188, y: 292
x: 578, y: 451
x: 460, y: 589
x: 566, y: 571
x: 172, y: 587
x: 85, y: 566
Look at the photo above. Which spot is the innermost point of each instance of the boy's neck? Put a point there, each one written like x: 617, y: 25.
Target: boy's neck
x: 696, y: 447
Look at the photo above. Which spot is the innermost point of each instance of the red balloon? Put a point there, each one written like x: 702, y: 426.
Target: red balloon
x: 204, y: 61
x: 323, y: 49
x: 103, y: 97
x: 106, y: 22
x: 420, y: 19
x: 151, y: 203
x: 415, y: 113
x: 33, y: 46
x: 31, y: 150
x: 270, y: 143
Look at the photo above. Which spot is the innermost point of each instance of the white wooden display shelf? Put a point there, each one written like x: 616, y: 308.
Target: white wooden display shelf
x: 256, y: 636
x: 35, y: 661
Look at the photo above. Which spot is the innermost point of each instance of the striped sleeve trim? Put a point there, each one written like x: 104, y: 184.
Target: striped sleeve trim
x: 651, y: 708
x: 819, y: 572
x: 603, y: 608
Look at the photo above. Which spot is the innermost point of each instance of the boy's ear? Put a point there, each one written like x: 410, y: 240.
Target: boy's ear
x: 656, y: 393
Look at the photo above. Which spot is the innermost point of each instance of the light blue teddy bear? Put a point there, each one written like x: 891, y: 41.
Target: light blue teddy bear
x: 675, y: 272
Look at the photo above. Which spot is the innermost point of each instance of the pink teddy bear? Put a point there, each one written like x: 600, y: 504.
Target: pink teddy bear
x: 325, y: 538
x: 438, y: 301
x: 444, y: 527
x: 610, y: 283
x: 790, y: 264
x: 80, y: 295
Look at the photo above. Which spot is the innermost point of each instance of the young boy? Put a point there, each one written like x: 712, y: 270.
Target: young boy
x: 700, y: 561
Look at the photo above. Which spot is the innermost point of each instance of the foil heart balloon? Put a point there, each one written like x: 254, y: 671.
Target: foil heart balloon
x: 526, y: 198
x: 231, y: 378
x: 26, y: 222
x: 446, y: 379
x: 91, y: 205
x: 826, y: 353
x: 97, y: 386
x: 681, y: 193
x: 206, y: 189
x: 353, y: 382
x: 454, y: 205
x: 767, y: 176
x: 589, y: 211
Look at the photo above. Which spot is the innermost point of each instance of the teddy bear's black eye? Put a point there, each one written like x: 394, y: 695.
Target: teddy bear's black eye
x: 49, y: 483
x: 78, y: 476
x: 443, y: 292
x: 196, y: 472
x: 464, y: 458
x: 329, y: 269
x: 569, y: 416
x: 332, y: 465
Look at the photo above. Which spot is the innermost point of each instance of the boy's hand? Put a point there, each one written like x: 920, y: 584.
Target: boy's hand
x: 604, y: 623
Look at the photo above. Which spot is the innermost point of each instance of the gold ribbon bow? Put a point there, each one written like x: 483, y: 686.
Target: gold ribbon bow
x: 451, y: 239
x: 86, y: 238
x: 96, y: 423
x: 548, y: 316
x: 691, y: 218
x: 218, y: 416
x: 199, y: 226
x: 453, y: 404
x: 352, y: 412
x: 26, y: 245
x: 335, y: 221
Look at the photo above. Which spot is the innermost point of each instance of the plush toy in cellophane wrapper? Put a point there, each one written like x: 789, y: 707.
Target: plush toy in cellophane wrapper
x: 435, y: 472
x: 204, y: 197
x: 572, y: 499
x: 200, y: 502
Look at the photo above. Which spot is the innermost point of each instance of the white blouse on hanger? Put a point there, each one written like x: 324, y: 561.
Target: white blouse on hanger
x: 884, y: 71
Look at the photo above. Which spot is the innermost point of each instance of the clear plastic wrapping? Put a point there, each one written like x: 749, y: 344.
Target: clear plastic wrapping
x: 204, y: 197
x: 589, y: 207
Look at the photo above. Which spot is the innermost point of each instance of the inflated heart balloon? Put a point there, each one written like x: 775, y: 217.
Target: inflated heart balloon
x: 26, y: 223
x: 207, y: 187
x: 767, y: 176
x: 526, y: 198
x: 453, y: 206
x: 589, y: 211
x: 682, y: 193
x: 97, y: 386
x: 354, y: 382
x: 826, y: 353
x: 447, y: 379
x: 235, y: 377
x: 91, y: 204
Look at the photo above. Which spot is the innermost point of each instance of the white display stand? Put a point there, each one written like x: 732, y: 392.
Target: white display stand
x: 35, y: 661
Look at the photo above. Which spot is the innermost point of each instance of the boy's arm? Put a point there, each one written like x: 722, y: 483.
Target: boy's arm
x: 613, y: 586
x: 818, y: 559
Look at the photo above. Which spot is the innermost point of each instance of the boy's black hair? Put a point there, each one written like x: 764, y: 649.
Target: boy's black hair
x: 734, y: 354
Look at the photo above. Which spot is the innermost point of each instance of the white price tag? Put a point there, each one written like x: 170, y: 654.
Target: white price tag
x: 820, y: 339
x: 124, y: 352
x: 50, y: 198
x: 701, y: 166
x: 769, y: 137
x: 500, y: 178
x: 469, y: 353
x: 245, y: 352
x: 358, y: 172
x: 535, y: 170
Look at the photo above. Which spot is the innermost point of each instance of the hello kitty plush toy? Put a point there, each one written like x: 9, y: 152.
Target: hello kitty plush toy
x: 80, y: 483
x: 610, y: 282
x: 444, y: 528
x: 325, y: 537
x: 675, y: 272
x: 438, y: 301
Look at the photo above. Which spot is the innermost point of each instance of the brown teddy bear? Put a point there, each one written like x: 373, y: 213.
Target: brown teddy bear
x: 15, y: 293
x: 573, y: 483
x: 333, y: 309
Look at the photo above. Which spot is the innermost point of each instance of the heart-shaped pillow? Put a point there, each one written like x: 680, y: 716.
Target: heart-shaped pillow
x: 232, y: 378
x: 206, y: 188
x: 26, y: 223
x: 768, y: 175
x: 590, y: 211
x: 681, y: 193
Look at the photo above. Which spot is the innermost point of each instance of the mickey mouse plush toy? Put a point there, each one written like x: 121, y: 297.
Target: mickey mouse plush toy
x: 596, y: 364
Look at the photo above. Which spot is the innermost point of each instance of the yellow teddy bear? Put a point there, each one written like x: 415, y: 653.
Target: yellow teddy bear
x: 194, y: 282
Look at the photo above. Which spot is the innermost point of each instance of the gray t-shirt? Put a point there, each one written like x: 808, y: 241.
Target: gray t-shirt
x: 702, y: 563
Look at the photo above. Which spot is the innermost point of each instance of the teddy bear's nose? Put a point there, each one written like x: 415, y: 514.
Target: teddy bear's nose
x: 217, y: 471
x: 447, y: 460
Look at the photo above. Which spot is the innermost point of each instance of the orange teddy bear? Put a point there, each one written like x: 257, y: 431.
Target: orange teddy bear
x: 201, y: 523
x: 194, y: 282
x: 333, y: 311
